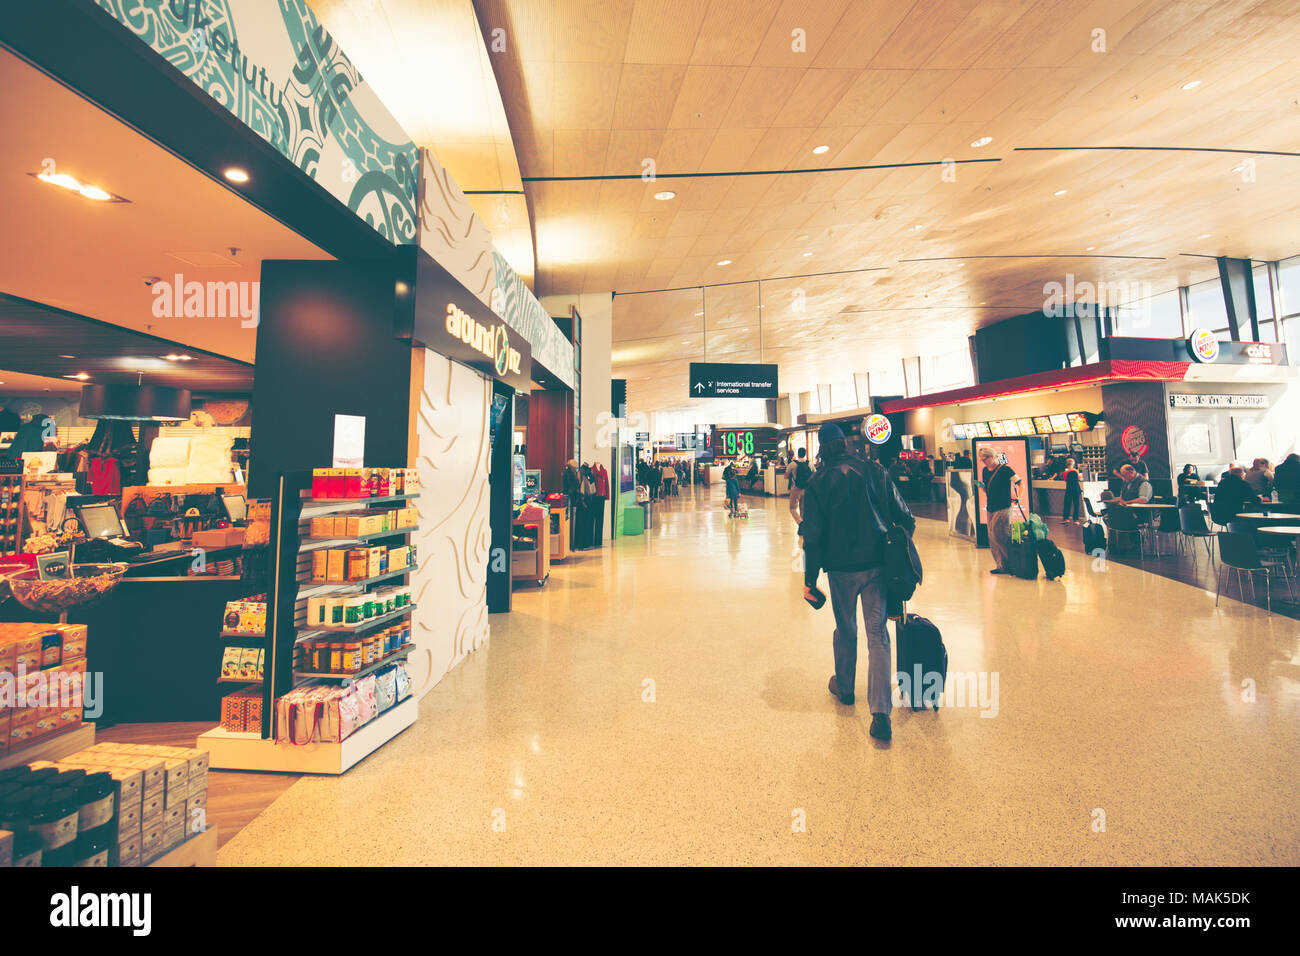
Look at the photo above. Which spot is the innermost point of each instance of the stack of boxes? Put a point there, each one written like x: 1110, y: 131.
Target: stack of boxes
x: 241, y: 712
x: 46, y: 665
x: 344, y: 483
x: 355, y: 524
x: 341, y: 565
x: 162, y: 798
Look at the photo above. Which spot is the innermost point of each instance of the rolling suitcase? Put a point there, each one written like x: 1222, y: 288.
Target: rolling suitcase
x: 922, y: 661
x: 1094, y: 537
x: 1023, y: 557
x: 1051, y: 558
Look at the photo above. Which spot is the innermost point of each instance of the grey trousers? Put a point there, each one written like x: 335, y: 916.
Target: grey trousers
x: 847, y: 588
x: 1000, y: 537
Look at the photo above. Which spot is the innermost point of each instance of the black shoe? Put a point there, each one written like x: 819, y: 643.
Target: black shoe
x: 845, y: 699
x: 880, y: 727
x: 999, y: 571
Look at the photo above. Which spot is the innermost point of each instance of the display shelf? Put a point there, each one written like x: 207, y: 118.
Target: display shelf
x: 390, y: 499
x: 317, y: 587
x: 317, y: 544
x: 81, y: 737
x: 231, y: 751
x: 239, y: 680
x: 397, y: 655
x: 236, y: 636
x: 364, y: 625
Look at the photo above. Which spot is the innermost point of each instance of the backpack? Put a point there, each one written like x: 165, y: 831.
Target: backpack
x: 801, y: 474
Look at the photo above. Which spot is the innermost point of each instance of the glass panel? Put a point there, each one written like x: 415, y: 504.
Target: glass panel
x: 1263, y: 298
x: 1288, y: 275
x: 1205, y: 302
x: 1156, y: 317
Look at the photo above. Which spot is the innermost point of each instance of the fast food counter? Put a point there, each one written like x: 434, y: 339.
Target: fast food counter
x: 154, y: 639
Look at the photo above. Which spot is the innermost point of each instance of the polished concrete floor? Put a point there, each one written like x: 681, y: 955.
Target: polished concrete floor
x: 664, y: 701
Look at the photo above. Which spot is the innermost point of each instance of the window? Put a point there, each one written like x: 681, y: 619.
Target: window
x: 1205, y: 303
x: 1155, y: 317
x: 1288, y: 276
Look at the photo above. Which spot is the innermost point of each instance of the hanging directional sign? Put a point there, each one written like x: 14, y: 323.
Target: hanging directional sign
x: 722, y: 380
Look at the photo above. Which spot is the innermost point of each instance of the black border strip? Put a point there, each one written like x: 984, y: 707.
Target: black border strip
x: 1163, y: 149
x: 755, y: 172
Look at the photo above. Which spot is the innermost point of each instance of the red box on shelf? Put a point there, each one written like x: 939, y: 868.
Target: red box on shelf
x: 320, y: 482
x: 352, y: 483
x: 335, y: 486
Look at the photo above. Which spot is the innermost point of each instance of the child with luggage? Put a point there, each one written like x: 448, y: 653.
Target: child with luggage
x: 733, y: 491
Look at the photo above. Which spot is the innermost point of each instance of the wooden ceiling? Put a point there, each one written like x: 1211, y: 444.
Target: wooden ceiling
x: 55, y: 345
x: 720, y: 96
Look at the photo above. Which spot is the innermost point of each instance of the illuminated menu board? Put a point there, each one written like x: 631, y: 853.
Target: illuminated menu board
x: 981, y: 429
x: 1043, y: 425
x: 1026, y: 426
x: 959, y: 432
x: 999, y: 429
x: 1079, y: 422
x: 1060, y: 423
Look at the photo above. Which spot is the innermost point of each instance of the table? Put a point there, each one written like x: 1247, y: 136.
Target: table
x: 1284, y: 530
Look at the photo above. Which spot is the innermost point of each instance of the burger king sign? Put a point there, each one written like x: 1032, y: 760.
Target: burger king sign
x: 878, y: 429
x: 1203, y: 345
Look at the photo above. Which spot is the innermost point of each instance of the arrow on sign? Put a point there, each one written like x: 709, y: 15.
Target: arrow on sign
x: 699, y: 386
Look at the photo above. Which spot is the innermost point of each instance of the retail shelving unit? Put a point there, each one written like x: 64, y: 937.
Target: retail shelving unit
x: 286, y: 617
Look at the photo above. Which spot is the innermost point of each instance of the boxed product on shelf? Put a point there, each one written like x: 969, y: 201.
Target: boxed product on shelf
x: 241, y: 712
x: 46, y: 666
x: 245, y: 617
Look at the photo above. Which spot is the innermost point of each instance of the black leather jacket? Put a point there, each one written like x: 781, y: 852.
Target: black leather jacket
x: 845, y: 507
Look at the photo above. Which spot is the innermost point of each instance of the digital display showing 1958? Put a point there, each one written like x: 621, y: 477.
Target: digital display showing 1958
x: 736, y: 443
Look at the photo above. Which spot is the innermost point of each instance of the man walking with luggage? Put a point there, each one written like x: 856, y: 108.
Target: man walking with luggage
x: 847, y: 507
x: 996, y: 478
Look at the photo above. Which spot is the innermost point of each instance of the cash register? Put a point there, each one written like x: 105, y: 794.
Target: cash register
x: 103, y: 525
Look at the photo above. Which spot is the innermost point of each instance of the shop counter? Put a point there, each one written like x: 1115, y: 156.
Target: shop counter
x: 774, y: 482
x: 713, y: 474
x: 1051, y: 495
x: 155, y: 639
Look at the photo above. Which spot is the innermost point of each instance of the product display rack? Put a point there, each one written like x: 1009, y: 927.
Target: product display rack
x: 290, y: 586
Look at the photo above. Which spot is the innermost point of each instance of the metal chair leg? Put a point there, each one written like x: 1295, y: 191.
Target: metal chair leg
x: 1219, y: 589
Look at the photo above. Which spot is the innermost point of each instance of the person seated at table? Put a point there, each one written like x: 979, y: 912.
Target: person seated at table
x: 1232, y: 496
x: 1190, y: 486
x: 1134, y: 488
x: 1286, y: 480
x: 752, y: 477
x: 1260, y: 477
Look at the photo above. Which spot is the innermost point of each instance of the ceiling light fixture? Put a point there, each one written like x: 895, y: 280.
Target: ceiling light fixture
x: 179, y: 358
x: 1192, y: 85
x: 235, y: 174
x: 80, y: 375
x: 67, y: 356
x: 806, y: 254
x: 1060, y: 192
x: 917, y: 227
x: 72, y: 184
x: 982, y: 141
x: 1204, y: 235
x: 821, y: 149
x: 801, y: 237
x: 665, y: 195
x: 724, y: 262
x: 1089, y: 248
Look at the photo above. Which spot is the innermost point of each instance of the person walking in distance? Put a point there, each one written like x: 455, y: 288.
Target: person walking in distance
x: 848, y: 506
x: 797, y: 474
x: 995, y: 479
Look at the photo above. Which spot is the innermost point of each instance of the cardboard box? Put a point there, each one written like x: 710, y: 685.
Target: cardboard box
x: 129, y: 821
x: 336, y: 565
x: 218, y: 538
x: 197, y: 803
x: 151, y: 842
x: 152, y: 807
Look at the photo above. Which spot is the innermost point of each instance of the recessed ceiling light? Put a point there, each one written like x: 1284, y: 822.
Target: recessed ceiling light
x: 1060, y: 192
x: 806, y: 254
x: 821, y: 149
x: 961, y: 265
x: 982, y: 141
x: 724, y: 262
x: 1204, y: 235
x: 235, y: 174
x: 1089, y: 248
x: 67, y: 356
x: 1239, y: 167
x: 665, y: 195
x: 917, y: 227
x: 72, y: 184
x: 1192, y: 85
x: 699, y: 313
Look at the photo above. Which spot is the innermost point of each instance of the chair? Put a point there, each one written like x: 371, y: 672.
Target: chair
x: 1191, y: 521
x: 1120, y: 520
x: 1237, y: 552
x: 1169, y: 523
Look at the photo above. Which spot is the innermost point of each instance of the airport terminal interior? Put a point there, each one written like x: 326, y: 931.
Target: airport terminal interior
x: 650, y: 433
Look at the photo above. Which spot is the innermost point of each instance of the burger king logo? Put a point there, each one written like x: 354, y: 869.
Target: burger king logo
x: 1203, y: 345
x: 878, y: 429
x: 1134, y: 440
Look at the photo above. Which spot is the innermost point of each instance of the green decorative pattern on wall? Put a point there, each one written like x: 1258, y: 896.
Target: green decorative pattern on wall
x: 519, y: 307
x: 272, y: 65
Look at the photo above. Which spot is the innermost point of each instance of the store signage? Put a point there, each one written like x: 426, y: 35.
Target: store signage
x: 1186, y: 400
x: 878, y: 429
x: 1133, y: 440
x: 493, y: 342
x: 1203, y: 345
x: 436, y: 311
x: 728, y: 380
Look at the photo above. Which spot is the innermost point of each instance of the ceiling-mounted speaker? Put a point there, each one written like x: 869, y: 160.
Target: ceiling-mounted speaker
x: 135, y: 403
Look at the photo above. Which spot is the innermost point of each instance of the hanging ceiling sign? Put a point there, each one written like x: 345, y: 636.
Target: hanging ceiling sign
x: 725, y: 380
